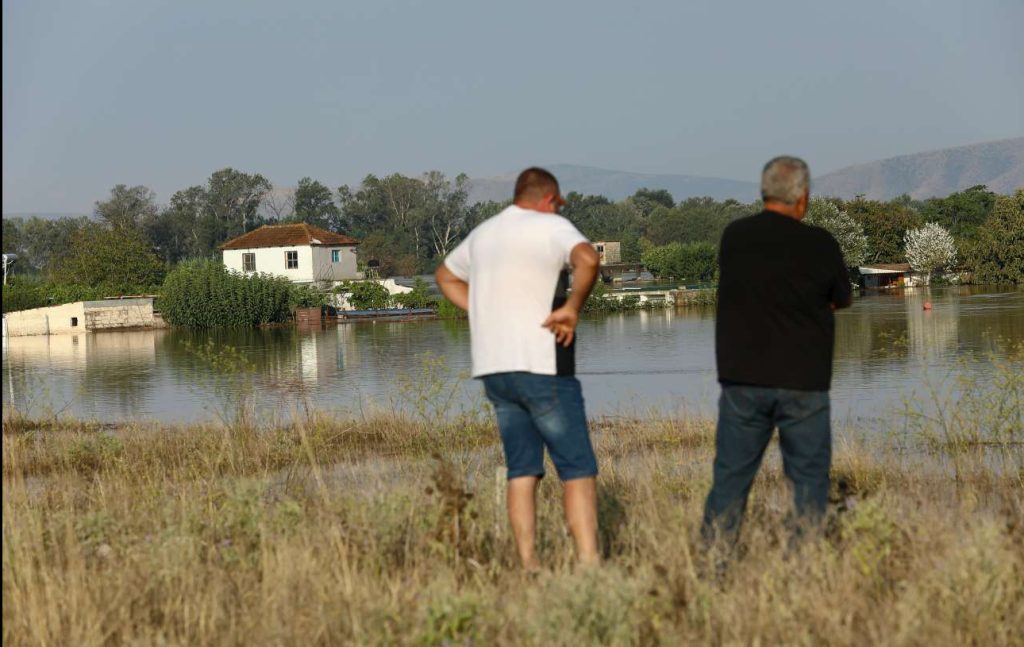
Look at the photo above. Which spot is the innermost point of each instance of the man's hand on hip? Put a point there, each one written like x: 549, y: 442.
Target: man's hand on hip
x: 562, y: 322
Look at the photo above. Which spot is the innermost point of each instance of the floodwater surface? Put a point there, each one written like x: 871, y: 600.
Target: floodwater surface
x: 888, y: 349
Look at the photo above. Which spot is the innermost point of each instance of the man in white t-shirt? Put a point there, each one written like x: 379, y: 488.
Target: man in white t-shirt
x: 510, y: 275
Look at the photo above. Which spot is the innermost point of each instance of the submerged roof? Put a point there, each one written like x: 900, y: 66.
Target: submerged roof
x: 882, y: 268
x: 287, y: 236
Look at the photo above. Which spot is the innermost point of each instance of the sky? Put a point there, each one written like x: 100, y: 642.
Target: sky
x: 163, y: 93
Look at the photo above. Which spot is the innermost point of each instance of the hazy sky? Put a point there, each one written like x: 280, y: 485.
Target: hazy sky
x: 162, y: 93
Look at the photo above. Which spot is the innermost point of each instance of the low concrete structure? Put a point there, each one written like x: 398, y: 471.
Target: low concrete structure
x: 82, y: 316
x: 895, y: 275
x: 609, y: 251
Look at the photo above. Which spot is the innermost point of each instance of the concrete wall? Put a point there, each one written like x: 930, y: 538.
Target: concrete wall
x: 610, y: 252
x: 68, y: 318
x: 315, y: 263
x: 118, y: 313
x: 80, y: 317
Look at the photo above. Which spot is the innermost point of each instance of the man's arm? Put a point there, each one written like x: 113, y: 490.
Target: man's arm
x: 452, y: 287
x: 585, y: 264
x: 842, y: 294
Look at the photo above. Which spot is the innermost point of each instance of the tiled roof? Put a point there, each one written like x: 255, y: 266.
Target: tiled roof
x: 286, y: 236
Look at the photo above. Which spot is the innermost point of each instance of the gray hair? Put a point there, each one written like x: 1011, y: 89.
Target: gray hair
x: 785, y: 179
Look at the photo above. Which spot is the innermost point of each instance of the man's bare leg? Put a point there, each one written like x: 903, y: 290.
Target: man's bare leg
x: 522, y: 514
x: 581, y: 515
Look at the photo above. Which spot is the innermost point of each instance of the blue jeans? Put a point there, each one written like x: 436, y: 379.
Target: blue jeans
x: 747, y: 417
x: 535, y: 411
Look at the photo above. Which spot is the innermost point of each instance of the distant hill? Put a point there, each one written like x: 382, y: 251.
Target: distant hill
x: 999, y: 165
x: 44, y: 216
x: 619, y: 184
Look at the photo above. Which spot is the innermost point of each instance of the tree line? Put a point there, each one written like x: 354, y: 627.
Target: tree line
x: 409, y: 224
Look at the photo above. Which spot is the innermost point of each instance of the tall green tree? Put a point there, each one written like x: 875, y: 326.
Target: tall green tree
x: 127, y: 207
x: 314, y: 204
x: 694, y: 220
x: 885, y: 224
x: 40, y: 242
x: 960, y: 213
x: 683, y: 261
x: 200, y: 218
x: 447, y: 212
x: 232, y: 202
x: 119, y: 259
x: 645, y: 200
x: 998, y: 255
x: 847, y: 232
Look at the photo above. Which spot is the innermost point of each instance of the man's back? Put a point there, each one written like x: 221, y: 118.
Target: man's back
x: 777, y: 283
x: 514, y: 265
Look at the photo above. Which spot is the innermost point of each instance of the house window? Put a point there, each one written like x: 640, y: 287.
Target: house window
x: 335, y: 255
x: 600, y: 249
x: 74, y: 322
x: 249, y: 262
x: 291, y: 260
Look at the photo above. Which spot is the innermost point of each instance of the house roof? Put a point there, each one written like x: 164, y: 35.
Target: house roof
x: 885, y: 267
x: 287, y: 236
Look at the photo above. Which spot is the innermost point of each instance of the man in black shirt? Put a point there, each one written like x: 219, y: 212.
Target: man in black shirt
x: 780, y: 281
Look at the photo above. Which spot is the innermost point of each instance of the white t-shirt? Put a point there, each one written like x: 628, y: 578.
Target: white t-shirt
x: 513, y: 262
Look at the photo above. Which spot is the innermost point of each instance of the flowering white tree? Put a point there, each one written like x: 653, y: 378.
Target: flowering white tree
x: 847, y: 231
x: 929, y: 248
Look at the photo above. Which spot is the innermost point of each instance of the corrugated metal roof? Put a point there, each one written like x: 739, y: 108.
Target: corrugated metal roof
x: 286, y: 236
x: 888, y: 267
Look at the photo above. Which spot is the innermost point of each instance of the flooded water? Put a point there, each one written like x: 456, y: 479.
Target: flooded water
x: 888, y: 348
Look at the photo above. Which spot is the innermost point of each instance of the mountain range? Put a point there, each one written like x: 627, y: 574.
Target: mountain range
x: 998, y: 165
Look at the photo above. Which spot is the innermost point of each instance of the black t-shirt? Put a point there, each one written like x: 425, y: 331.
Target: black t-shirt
x: 778, y: 280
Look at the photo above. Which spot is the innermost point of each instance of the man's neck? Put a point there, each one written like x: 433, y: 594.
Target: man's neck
x: 532, y: 206
x: 791, y: 210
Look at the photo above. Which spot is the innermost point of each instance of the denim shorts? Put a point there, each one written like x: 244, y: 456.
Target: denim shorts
x: 535, y: 411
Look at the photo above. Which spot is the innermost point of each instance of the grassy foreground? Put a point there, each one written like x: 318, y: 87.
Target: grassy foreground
x: 388, y: 531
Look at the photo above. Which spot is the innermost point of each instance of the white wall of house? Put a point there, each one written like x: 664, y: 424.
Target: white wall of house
x: 315, y: 262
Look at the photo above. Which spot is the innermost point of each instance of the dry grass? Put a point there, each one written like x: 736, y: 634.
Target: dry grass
x: 350, y: 532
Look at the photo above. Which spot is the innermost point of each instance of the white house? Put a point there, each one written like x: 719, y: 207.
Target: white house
x: 302, y: 253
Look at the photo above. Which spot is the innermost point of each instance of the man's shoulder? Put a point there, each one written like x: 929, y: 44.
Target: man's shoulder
x: 743, y: 224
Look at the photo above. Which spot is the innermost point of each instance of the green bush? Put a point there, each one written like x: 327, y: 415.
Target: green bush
x: 204, y: 294
x: 598, y: 303
x: 998, y: 254
x: 114, y: 259
x: 308, y: 296
x: 420, y: 297
x: 688, y: 262
x: 23, y: 293
x: 366, y: 295
x: 448, y: 310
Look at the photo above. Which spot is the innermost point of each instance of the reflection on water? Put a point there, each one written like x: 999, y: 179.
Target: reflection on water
x: 886, y: 345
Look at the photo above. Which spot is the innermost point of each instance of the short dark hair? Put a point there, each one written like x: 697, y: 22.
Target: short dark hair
x: 535, y: 183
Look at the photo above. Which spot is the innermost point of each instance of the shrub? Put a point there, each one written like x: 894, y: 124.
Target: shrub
x: 24, y: 293
x: 366, y: 295
x: 998, y: 256
x: 689, y: 261
x: 204, y: 294
x: 114, y: 259
x: 448, y: 310
x: 420, y: 297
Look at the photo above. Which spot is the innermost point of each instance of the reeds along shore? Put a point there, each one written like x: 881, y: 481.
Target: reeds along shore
x: 385, y: 530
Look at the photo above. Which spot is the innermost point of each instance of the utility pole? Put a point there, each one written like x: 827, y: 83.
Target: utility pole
x: 8, y: 260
